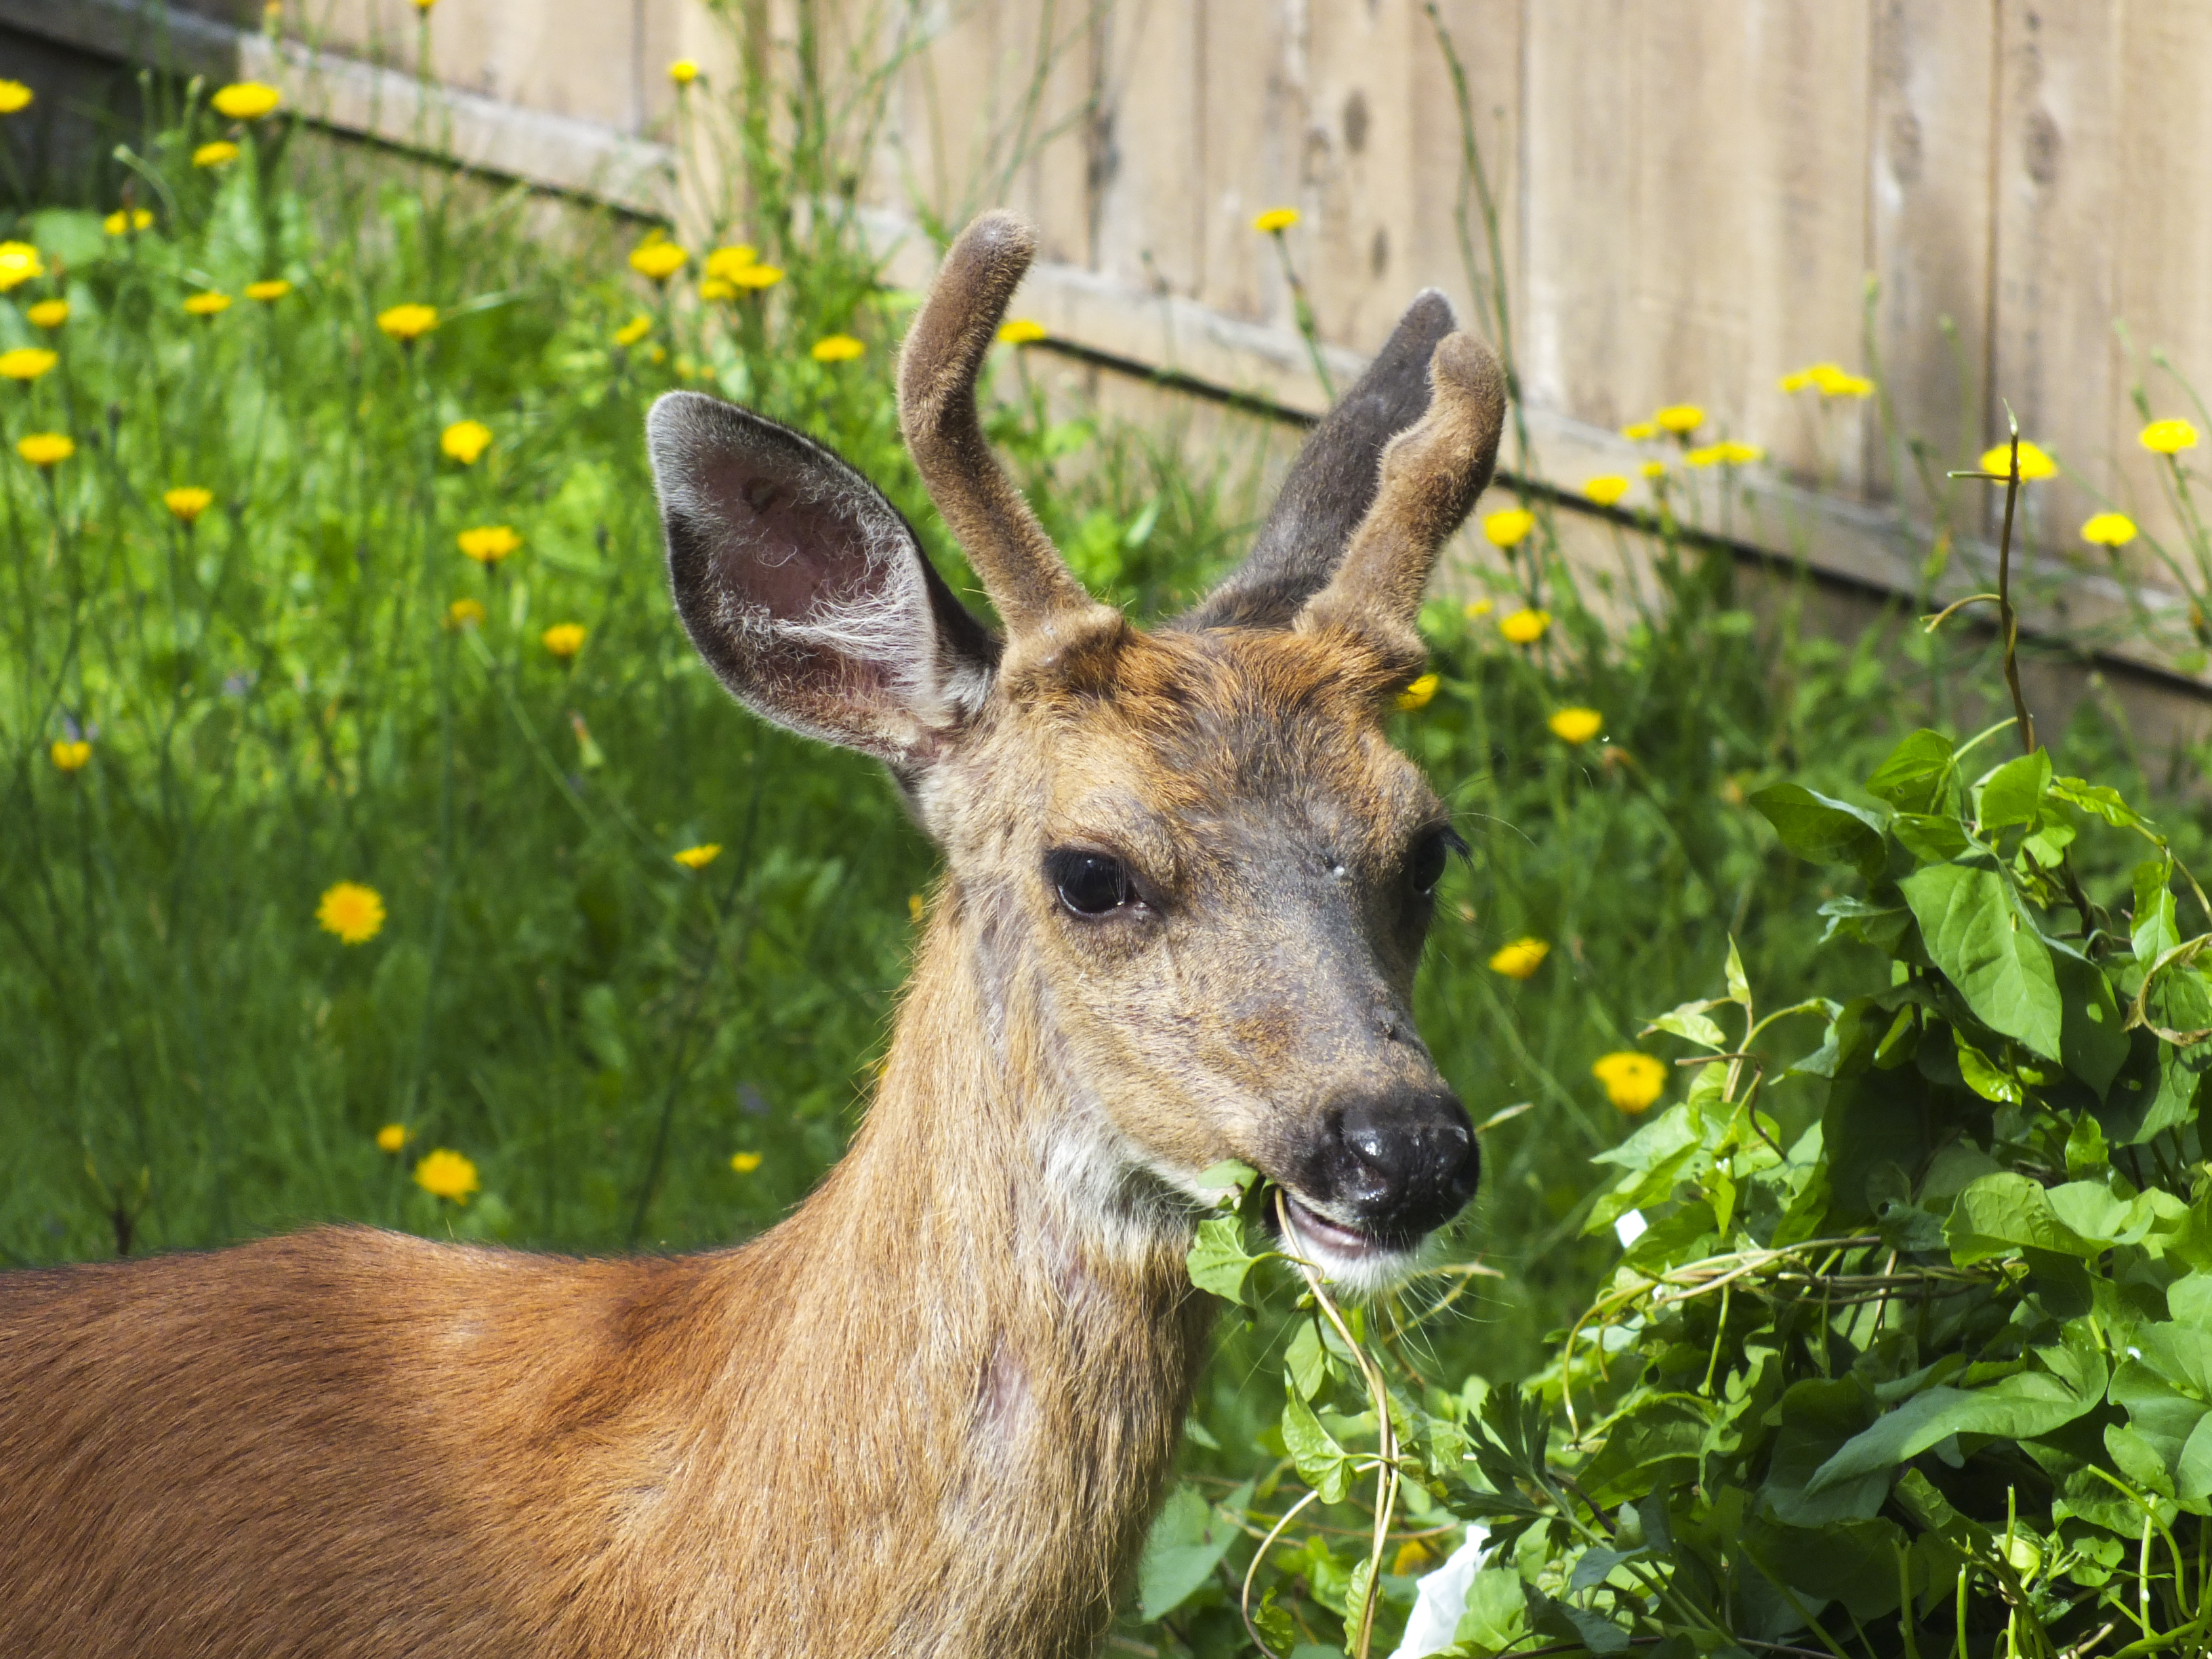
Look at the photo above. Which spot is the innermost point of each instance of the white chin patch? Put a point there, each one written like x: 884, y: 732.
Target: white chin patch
x: 1347, y: 1259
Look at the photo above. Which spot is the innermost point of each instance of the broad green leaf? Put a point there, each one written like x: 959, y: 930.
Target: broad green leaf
x: 1229, y: 1178
x: 2093, y: 1039
x: 1824, y: 831
x: 2013, y: 792
x: 2156, y: 930
x: 1999, y: 962
x: 2137, y: 1458
x: 1219, y: 1262
x: 1930, y: 838
x: 2101, y: 799
x: 1819, y: 1418
x: 1306, y: 1362
x: 1911, y: 779
x: 2094, y: 1212
x: 1739, y: 983
x: 2020, y: 1408
x: 2087, y: 1153
x: 2006, y: 1211
x: 1496, y: 1613
x: 1321, y: 1463
x: 1190, y: 1536
x: 1984, y: 1077
x: 1690, y: 1022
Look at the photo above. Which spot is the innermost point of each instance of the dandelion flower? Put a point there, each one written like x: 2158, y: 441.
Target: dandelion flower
x: 353, y: 912
x: 13, y: 96
x: 1419, y: 694
x: 563, y: 640
x: 684, y: 71
x: 1704, y: 455
x: 715, y: 289
x: 464, y: 440
x: 914, y: 906
x: 45, y: 448
x: 1654, y: 470
x: 1679, y: 418
x: 744, y: 1162
x: 1474, y: 610
x: 70, y: 754
x: 1509, y: 528
x: 187, y: 501
x: 2109, y: 530
x: 1733, y: 453
x: 268, y: 291
x: 464, y: 613
x: 1637, y: 431
x: 1524, y: 626
x: 1834, y: 382
x: 19, y: 263
x: 393, y: 1136
x: 1632, y: 1081
x: 207, y: 305
x: 836, y: 348
x: 219, y: 154
x: 1576, y: 725
x: 1275, y: 220
x: 2168, y: 437
x: 48, y: 313
x: 658, y: 258
x: 1606, y: 489
x: 245, y: 100
x: 444, y: 1174
x: 123, y: 221
x: 634, y: 331
x: 1021, y: 330
x: 488, y: 544
x: 726, y: 262
x: 409, y: 322
x: 1520, y: 959
x: 699, y: 857
x: 26, y: 363
x: 756, y: 277
x: 2033, y: 463
x: 1797, y: 380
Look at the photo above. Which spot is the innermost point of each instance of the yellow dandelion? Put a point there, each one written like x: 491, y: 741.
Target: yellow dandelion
x: 563, y: 640
x: 18, y: 263
x: 45, y: 448
x: 488, y: 544
x: 715, y: 289
x: 1796, y: 380
x: 408, y: 323
x: 2167, y: 437
x: 187, y: 501
x: 245, y: 100
x: 1509, y: 528
x: 684, y: 71
x: 1021, y: 330
x: 464, y: 613
x: 207, y: 305
x: 1524, y: 626
x: 1632, y: 1081
x: 1476, y: 610
x: 1275, y: 220
x: 1419, y: 694
x: 1679, y: 418
x: 123, y: 221
x: 1733, y: 454
x: 393, y: 1136
x: 726, y: 262
x: 2033, y: 463
x: 2109, y: 530
x: 836, y: 348
x: 916, y: 907
x: 756, y: 277
x: 699, y: 857
x: 1606, y: 489
x: 464, y: 441
x: 14, y: 95
x: 48, y: 313
x: 26, y: 363
x: 219, y: 154
x: 1834, y: 382
x: 353, y: 912
x: 658, y: 258
x: 70, y: 755
x: 1653, y: 470
x: 1576, y: 725
x: 634, y: 331
x: 445, y: 1173
x: 1703, y: 455
x: 268, y: 291
x: 744, y: 1162
x: 1520, y: 959
x: 1637, y: 431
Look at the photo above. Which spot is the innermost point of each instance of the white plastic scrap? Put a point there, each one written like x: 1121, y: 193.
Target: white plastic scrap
x: 1441, y: 1601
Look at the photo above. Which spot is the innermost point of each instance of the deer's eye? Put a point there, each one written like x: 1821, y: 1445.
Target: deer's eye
x: 1088, y: 884
x: 1424, y: 866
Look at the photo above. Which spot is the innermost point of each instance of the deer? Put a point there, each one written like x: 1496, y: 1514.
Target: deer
x: 1186, y: 883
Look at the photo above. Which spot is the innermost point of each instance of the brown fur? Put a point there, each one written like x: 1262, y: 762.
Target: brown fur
x: 932, y: 1413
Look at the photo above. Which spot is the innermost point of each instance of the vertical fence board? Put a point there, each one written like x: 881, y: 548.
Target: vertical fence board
x: 1146, y: 204
x: 1253, y: 109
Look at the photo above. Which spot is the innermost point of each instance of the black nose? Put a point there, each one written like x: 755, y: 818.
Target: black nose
x: 1401, y: 1163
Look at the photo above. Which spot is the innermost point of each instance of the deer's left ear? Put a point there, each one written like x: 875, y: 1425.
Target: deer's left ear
x: 806, y: 590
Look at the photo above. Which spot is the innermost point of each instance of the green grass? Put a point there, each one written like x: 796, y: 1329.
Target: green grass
x: 276, y: 702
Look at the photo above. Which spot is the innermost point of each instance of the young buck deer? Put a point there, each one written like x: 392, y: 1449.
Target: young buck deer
x: 1187, y: 882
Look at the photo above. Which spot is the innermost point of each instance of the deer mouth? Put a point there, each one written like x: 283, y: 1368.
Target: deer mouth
x: 1338, y: 1249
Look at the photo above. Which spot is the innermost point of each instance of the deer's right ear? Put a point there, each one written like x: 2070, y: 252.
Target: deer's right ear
x: 806, y: 590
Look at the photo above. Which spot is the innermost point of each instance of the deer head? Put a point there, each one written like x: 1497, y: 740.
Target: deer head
x: 1189, y: 872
